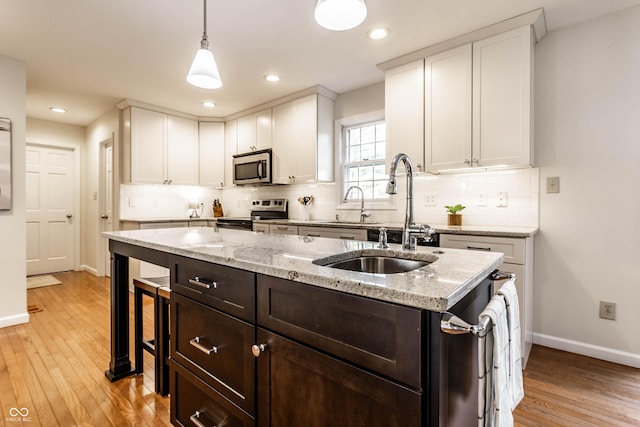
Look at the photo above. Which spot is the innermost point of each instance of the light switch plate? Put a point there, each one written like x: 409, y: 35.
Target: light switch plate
x: 502, y: 199
x: 553, y: 184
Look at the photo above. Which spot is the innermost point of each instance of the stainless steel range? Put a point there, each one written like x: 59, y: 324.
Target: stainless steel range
x: 260, y: 209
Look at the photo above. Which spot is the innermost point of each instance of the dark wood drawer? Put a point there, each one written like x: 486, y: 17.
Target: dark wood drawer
x: 383, y: 337
x: 225, y: 288
x: 191, y: 399
x: 216, y: 347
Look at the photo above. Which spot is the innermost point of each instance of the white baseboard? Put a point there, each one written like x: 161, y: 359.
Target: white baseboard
x: 89, y: 269
x: 590, y: 350
x: 14, y: 320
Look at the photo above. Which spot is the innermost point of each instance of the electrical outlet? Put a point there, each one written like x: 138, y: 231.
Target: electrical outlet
x: 430, y: 199
x: 482, y: 199
x: 502, y: 199
x: 553, y: 184
x: 608, y: 310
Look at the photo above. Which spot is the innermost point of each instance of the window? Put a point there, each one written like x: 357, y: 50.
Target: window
x: 364, y: 166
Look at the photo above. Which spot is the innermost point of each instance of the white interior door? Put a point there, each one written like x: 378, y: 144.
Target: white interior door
x: 49, y: 209
x: 106, y: 204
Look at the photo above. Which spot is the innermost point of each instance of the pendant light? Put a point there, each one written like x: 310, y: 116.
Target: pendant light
x: 340, y: 15
x: 204, y: 71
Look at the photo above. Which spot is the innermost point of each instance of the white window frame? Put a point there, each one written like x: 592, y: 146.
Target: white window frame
x: 354, y: 204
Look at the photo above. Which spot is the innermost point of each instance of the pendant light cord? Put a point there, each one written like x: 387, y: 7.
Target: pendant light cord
x: 204, y: 44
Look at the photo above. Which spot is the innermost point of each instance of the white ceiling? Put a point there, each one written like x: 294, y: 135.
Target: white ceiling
x: 86, y: 55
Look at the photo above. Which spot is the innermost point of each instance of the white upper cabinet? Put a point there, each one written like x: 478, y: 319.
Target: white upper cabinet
x: 303, y: 140
x: 502, y: 84
x: 230, y: 147
x: 211, y: 154
x: 254, y: 132
x: 182, y: 151
x: 469, y: 106
x: 447, y: 116
x: 159, y: 148
x: 404, y: 112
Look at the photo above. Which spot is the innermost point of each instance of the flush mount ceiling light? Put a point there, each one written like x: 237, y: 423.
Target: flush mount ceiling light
x: 378, y: 33
x: 272, y: 78
x: 57, y: 110
x: 340, y: 15
x: 208, y: 104
x: 204, y: 71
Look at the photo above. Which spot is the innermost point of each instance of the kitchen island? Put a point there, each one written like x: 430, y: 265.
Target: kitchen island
x: 366, y: 345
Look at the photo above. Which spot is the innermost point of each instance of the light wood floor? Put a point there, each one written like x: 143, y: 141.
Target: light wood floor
x: 54, y: 366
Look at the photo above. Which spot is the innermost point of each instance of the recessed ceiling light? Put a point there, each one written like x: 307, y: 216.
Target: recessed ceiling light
x: 208, y: 104
x: 272, y: 78
x: 57, y: 110
x: 378, y: 33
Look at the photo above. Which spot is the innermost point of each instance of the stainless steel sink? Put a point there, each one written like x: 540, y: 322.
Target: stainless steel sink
x: 374, y: 262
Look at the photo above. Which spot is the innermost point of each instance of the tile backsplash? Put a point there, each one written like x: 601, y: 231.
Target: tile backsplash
x: 478, y: 191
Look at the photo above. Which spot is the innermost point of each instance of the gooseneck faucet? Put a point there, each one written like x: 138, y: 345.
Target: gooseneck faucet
x: 363, y: 214
x: 411, y: 231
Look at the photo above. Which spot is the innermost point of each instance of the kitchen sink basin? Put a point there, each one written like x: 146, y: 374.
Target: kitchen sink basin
x: 374, y: 263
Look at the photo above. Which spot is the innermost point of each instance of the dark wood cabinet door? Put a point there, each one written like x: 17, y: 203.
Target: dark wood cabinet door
x: 216, y: 347
x: 298, y: 386
x: 194, y: 403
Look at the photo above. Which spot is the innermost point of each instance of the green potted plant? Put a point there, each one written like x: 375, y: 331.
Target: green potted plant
x: 455, y: 218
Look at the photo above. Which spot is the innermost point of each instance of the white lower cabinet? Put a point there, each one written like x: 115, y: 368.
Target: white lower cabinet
x: 283, y: 229
x: 260, y: 228
x: 518, y: 259
x: 334, y: 233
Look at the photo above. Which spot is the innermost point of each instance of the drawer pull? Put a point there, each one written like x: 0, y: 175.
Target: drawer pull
x: 195, y: 419
x: 313, y: 235
x: 282, y: 228
x: 256, y: 349
x: 203, y: 283
x: 347, y: 237
x: 197, y: 344
x: 478, y: 248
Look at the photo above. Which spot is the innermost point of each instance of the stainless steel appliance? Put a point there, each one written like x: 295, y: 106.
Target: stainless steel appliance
x: 252, y: 168
x: 260, y: 209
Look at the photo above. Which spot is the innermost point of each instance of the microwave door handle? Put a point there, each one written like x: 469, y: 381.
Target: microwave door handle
x: 259, y: 169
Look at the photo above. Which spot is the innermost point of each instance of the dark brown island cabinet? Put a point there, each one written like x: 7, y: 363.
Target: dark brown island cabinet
x: 253, y: 350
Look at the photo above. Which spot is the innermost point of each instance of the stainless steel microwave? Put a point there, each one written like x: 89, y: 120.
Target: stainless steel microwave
x: 252, y: 168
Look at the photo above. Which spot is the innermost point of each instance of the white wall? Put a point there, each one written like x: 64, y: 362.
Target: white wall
x: 587, y: 133
x: 13, y: 261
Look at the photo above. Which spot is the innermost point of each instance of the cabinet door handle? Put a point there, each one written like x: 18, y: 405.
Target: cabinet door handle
x: 195, y: 342
x: 256, y: 349
x: 467, y: 161
x: 478, y: 248
x: 195, y: 419
x: 347, y: 237
x: 203, y: 283
x: 282, y: 228
x: 313, y: 235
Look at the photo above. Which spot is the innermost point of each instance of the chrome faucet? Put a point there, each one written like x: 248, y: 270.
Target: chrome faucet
x: 411, y: 231
x: 363, y: 214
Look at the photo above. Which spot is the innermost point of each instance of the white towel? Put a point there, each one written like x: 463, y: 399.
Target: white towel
x: 500, y: 401
x: 516, y: 389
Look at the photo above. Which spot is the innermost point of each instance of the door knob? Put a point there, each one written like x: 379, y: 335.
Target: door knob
x: 69, y: 216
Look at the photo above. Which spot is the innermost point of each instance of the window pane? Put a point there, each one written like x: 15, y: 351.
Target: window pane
x: 367, y: 189
x: 368, y: 134
x: 352, y: 173
x: 354, y: 136
x: 381, y: 131
x: 368, y: 151
x: 379, y: 173
x: 380, y: 150
x: 366, y: 173
x: 379, y: 188
x: 354, y: 153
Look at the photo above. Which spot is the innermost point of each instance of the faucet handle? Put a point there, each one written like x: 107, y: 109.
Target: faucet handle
x: 382, y: 238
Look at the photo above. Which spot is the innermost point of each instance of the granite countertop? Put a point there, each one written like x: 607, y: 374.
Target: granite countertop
x: 436, y: 287
x: 479, y: 230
